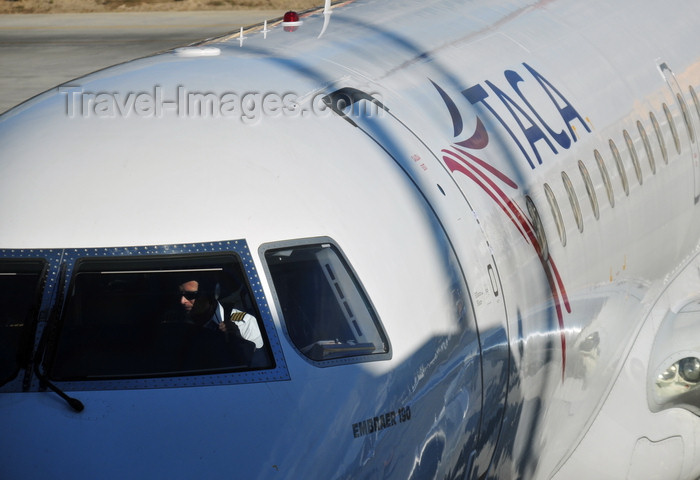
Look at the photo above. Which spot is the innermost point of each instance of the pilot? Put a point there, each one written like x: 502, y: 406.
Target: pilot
x: 204, y: 310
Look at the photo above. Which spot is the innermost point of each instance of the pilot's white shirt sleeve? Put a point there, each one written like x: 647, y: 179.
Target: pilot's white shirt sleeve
x: 249, y: 329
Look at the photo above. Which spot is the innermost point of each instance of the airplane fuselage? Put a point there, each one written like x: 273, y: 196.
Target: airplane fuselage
x: 468, y: 233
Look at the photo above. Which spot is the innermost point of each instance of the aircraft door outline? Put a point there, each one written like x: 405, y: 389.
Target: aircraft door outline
x: 415, y: 158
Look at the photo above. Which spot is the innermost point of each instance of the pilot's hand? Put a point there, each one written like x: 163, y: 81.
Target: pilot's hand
x: 230, y: 328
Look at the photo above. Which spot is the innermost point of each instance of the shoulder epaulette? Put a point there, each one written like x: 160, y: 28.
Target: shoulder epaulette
x: 237, y: 316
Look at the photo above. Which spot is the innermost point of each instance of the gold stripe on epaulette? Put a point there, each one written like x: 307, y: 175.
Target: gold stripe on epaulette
x: 237, y: 316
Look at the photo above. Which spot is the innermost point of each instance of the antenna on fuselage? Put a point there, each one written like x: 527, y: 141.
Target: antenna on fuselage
x: 326, y: 17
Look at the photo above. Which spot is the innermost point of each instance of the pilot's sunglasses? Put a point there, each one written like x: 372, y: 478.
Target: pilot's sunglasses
x: 189, y: 295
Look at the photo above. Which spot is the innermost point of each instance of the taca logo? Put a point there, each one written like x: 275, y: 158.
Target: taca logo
x: 523, y: 116
x: 529, y: 122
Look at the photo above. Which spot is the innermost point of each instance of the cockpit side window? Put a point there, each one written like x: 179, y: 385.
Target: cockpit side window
x: 127, y: 317
x: 20, y: 291
x: 327, y: 315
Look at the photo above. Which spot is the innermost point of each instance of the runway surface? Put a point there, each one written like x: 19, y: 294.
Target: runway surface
x: 38, y: 52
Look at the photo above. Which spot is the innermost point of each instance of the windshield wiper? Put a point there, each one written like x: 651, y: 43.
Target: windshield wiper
x: 44, y: 382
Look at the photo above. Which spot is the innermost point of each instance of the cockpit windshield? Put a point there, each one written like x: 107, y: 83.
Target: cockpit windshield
x: 20, y: 289
x: 158, y: 316
x: 327, y: 315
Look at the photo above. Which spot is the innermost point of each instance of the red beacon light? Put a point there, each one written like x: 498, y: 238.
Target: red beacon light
x: 291, y: 21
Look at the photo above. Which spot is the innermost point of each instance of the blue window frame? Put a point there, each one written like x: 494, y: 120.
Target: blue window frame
x: 20, y: 291
x: 114, y: 318
x: 327, y: 315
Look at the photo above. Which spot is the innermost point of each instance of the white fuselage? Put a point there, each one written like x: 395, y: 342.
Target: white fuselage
x: 497, y: 186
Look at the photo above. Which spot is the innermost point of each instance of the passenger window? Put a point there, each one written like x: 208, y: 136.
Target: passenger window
x: 556, y: 213
x: 686, y: 117
x: 647, y: 146
x: 633, y: 156
x: 589, y: 188
x: 695, y: 100
x: 326, y: 313
x: 672, y: 126
x: 538, y: 227
x: 20, y: 294
x: 606, y: 178
x: 659, y: 137
x: 158, y: 316
x: 620, y: 167
x: 573, y: 199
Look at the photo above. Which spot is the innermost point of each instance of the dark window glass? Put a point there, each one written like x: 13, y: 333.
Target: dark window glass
x: 620, y: 167
x: 589, y: 188
x: 326, y: 313
x: 156, y: 316
x: 606, y: 178
x: 672, y: 126
x: 573, y: 199
x: 659, y: 136
x: 695, y: 100
x: 20, y: 294
x: 647, y: 146
x: 633, y: 156
x: 686, y: 117
x: 556, y: 213
x: 538, y: 227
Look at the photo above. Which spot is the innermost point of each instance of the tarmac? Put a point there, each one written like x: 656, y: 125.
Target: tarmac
x: 40, y: 51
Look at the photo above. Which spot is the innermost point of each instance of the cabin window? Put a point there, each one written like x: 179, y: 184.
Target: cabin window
x: 647, y: 146
x: 633, y: 156
x: 20, y: 291
x: 556, y: 213
x: 589, y: 189
x: 327, y: 315
x: 539, y: 229
x: 695, y: 100
x: 135, y: 317
x: 659, y: 137
x: 672, y: 126
x: 604, y: 175
x: 573, y: 199
x: 620, y: 167
x: 686, y: 117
